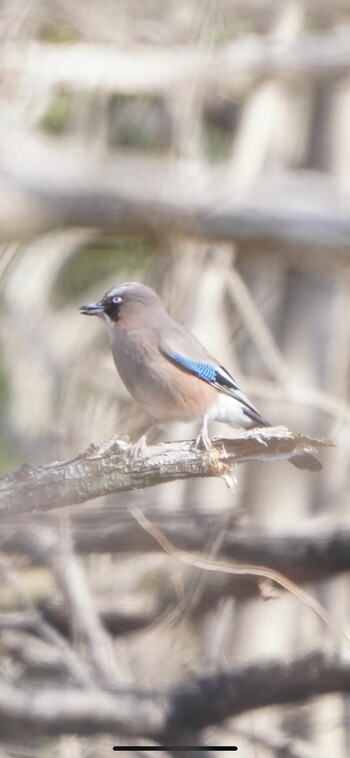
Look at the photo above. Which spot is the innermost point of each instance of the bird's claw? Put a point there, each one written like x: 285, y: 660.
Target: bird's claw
x: 138, y: 449
x: 203, y: 441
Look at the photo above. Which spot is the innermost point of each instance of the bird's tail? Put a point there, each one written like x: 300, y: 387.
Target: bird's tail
x: 306, y: 461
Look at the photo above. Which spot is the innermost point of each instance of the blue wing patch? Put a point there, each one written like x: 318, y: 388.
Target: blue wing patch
x: 218, y: 377
x: 203, y: 370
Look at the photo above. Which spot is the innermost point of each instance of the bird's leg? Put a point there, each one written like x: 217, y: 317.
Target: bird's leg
x: 138, y: 449
x: 203, y: 439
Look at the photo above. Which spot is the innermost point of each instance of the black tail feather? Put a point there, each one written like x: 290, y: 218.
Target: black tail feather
x: 306, y: 461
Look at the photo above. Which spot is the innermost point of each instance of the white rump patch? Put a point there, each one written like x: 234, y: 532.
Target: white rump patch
x: 228, y: 410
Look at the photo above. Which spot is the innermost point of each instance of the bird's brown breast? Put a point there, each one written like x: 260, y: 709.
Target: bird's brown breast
x: 164, y: 391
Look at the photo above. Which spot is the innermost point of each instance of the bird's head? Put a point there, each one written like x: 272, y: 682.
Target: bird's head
x: 122, y: 301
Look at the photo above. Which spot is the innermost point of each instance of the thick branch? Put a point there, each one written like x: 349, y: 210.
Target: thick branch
x: 43, y: 187
x: 310, y: 552
x: 141, y: 70
x: 107, y: 468
x: 193, y: 705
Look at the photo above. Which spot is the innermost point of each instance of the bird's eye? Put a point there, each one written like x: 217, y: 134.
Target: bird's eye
x: 116, y: 300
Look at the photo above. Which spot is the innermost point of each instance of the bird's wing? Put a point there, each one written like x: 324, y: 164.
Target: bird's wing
x: 177, y: 345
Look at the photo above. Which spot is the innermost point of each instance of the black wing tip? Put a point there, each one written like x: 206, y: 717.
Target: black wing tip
x: 255, y: 419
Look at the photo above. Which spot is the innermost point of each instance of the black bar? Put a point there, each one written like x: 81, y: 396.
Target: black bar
x: 178, y: 749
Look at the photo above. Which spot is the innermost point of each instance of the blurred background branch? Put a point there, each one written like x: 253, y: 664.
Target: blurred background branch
x: 195, y: 705
x: 45, y: 188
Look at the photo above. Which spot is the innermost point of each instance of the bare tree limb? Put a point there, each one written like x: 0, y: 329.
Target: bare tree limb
x: 193, y: 705
x: 36, y: 656
x: 70, y: 577
x: 107, y: 468
x: 312, y: 552
x: 74, y: 665
x: 141, y: 70
x: 44, y: 187
x: 240, y: 569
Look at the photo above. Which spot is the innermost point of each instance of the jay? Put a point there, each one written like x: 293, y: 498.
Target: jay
x: 168, y: 371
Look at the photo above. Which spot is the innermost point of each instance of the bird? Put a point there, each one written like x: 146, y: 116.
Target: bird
x: 169, y: 372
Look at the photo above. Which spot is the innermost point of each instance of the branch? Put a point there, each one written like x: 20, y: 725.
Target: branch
x: 307, y: 553
x: 74, y: 665
x: 193, y: 705
x: 45, y: 187
x: 107, y: 468
x: 70, y: 578
x: 139, y: 70
x: 314, y: 551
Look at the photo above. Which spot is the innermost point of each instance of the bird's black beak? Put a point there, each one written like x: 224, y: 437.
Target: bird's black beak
x: 92, y: 309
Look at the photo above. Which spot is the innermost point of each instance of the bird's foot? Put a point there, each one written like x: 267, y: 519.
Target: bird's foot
x: 203, y: 440
x: 138, y: 449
